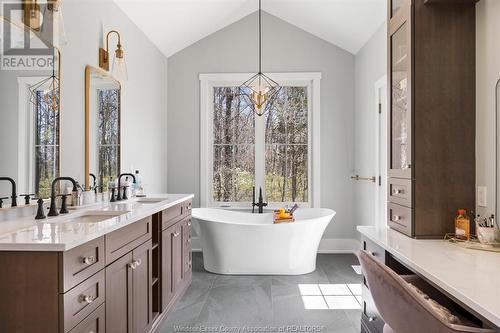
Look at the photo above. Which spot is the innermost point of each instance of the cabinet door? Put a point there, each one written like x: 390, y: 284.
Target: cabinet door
x: 395, y: 7
x: 167, y: 286
x: 400, y: 94
x: 142, y: 287
x: 119, y: 296
x: 177, y: 254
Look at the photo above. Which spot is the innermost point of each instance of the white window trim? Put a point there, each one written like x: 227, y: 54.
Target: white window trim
x: 209, y: 81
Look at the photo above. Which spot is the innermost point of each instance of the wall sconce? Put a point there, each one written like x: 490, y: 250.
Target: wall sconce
x: 53, y: 24
x: 49, y: 25
x: 32, y: 14
x: 119, y: 69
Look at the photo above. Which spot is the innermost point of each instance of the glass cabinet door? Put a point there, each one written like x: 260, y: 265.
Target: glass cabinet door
x: 400, y: 106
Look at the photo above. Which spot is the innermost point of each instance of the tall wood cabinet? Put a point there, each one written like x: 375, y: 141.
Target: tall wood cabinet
x: 431, y: 80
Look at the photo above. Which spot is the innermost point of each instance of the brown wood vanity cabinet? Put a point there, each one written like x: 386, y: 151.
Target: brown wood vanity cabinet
x: 129, y: 292
x: 431, y: 137
x: 124, y: 281
x: 176, y: 255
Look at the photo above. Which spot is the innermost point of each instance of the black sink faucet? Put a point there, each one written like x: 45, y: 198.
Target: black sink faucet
x: 94, y: 181
x: 53, y: 210
x: 119, y: 196
x: 261, y: 204
x: 14, y: 194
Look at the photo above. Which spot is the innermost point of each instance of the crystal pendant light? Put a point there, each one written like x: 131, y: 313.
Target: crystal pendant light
x: 260, y: 89
x: 52, y: 29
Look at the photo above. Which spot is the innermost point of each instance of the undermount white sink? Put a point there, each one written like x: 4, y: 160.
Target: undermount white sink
x: 96, y: 216
x: 150, y: 200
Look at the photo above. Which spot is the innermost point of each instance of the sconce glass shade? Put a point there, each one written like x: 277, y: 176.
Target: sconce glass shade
x: 53, y: 30
x: 119, y: 69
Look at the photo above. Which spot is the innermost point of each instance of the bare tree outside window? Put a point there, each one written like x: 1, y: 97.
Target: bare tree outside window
x: 234, y: 146
x: 286, y: 146
x: 108, y: 135
x: 46, y: 143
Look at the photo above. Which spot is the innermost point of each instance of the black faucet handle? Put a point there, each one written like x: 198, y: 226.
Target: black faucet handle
x: 64, y: 208
x: 27, y: 198
x: 1, y: 201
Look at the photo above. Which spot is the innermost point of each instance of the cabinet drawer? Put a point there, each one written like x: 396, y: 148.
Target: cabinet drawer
x: 187, y: 233
x: 377, y: 251
x: 94, y: 323
x: 124, y: 240
x: 400, y: 218
x: 80, y: 263
x: 80, y: 301
x: 370, y: 315
x: 188, y: 205
x: 172, y: 215
x: 399, y: 191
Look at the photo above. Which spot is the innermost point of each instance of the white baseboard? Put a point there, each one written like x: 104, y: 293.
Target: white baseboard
x: 327, y: 245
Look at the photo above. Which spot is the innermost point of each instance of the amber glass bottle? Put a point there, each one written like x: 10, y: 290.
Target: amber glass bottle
x: 462, y: 225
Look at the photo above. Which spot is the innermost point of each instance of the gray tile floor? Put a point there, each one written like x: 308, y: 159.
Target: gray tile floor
x: 213, y: 300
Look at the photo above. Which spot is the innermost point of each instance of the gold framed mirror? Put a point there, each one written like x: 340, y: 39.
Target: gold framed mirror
x: 102, y: 128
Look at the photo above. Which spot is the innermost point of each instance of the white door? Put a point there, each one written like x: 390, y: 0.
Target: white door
x: 381, y: 151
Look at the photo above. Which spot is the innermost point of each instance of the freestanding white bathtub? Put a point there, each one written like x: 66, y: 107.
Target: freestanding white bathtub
x: 236, y: 242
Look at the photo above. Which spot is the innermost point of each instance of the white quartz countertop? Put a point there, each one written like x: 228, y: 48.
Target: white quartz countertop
x: 471, y: 276
x: 62, y: 233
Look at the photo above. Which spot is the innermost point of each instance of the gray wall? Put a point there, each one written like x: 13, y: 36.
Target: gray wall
x: 286, y: 49
x: 487, y: 74
x: 143, y: 95
x: 371, y: 65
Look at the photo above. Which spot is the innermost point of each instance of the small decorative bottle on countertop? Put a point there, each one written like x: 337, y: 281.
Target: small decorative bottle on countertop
x: 462, y: 225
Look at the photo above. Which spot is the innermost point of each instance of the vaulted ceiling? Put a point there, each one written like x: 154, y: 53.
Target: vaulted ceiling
x: 175, y: 24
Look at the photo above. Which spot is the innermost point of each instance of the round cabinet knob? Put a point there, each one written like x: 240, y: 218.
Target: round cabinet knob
x: 138, y: 262
x: 396, y: 218
x: 86, y: 299
x: 371, y: 253
x: 189, y: 223
x: 396, y: 191
x: 133, y: 265
x: 176, y: 234
x: 89, y: 260
x: 371, y: 318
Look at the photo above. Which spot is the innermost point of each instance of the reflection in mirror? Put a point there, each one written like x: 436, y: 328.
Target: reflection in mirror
x: 102, y: 113
x: 30, y: 126
x: 46, y: 144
